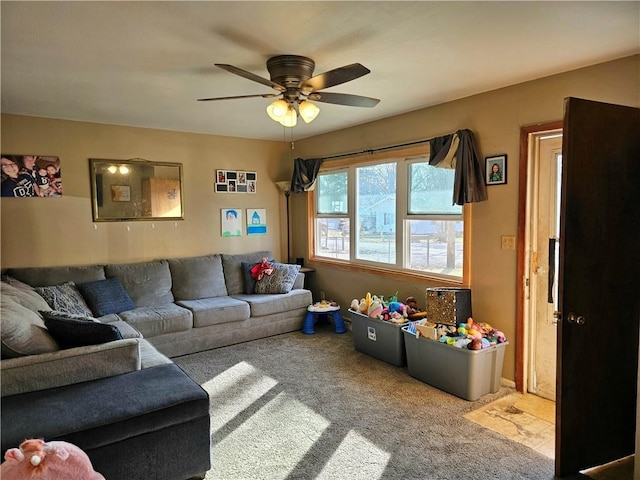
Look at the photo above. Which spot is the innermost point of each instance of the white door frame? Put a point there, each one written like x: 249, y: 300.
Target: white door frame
x: 541, y: 223
x: 522, y: 278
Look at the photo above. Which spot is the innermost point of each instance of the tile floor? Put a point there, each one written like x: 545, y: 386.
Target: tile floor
x: 530, y: 420
x: 526, y: 419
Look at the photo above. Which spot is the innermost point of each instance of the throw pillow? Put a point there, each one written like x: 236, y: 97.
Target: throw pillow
x: 65, y: 298
x: 24, y: 295
x: 22, y: 330
x: 281, y: 281
x: 249, y: 281
x: 77, y: 331
x: 106, y: 296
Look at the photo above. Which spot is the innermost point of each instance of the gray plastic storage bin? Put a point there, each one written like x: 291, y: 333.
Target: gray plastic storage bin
x: 468, y: 374
x: 378, y: 339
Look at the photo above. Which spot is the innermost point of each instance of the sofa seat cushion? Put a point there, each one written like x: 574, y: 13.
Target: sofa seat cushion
x: 107, y: 410
x: 216, y: 310
x: 269, y: 304
x: 197, y: 277
x: 148, y: 283
x: 152, y: 321
x: 45, y: 276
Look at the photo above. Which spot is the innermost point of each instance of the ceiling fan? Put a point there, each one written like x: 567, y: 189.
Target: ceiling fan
x: 292, y: 77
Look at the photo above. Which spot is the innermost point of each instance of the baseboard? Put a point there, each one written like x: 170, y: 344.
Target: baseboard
x: 505, y: 382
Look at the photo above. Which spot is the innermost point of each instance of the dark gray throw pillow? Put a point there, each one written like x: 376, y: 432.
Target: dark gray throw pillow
x: 249, y: 281
x: 106, y: 296
x: 77, y: 331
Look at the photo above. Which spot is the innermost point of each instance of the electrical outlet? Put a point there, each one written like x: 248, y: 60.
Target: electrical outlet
x: 508, y: 242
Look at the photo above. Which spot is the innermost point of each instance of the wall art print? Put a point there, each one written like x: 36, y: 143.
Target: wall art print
x: 236, y: 181
x: 231, y: 222
x: 256, y: 221
x: 31, y: 176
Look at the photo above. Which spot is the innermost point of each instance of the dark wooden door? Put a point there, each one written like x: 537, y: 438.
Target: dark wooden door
x: 599, y: 282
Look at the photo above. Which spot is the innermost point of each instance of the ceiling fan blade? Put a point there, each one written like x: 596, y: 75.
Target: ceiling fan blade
x: 251, y: 76
x: 344, y: 99
x: 336, y: 77
x: 263, y: 95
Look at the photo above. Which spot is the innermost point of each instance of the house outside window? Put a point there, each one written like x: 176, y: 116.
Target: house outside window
x: 395, y: 213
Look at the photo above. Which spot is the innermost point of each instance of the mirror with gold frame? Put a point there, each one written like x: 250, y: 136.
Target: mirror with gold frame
x: 127, y: 190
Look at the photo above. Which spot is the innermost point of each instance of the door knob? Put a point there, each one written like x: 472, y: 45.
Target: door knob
x: 577, y: 319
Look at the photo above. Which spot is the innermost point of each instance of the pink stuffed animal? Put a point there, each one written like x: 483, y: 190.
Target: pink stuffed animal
x: 37, y: 460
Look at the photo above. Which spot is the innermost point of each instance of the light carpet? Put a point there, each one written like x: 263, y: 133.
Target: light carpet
x: 298, y: 406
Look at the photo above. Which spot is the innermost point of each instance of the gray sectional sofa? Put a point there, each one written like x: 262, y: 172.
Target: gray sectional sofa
x: 135, y: 413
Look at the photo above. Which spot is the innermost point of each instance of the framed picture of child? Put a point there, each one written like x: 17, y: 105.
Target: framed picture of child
x: 496, y: 170
x: 30, y: 176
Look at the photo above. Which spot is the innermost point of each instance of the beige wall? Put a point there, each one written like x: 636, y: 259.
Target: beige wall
x: 61, y: 231
x: 495, y: 118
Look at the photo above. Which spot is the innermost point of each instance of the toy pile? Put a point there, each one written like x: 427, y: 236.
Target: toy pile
x: 472, y: 335
x: 375, y: 306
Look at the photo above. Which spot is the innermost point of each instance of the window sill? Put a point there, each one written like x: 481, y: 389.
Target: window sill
x: 396, y: 274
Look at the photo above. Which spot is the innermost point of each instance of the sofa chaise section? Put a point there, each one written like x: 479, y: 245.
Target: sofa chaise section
x: 149, y: 423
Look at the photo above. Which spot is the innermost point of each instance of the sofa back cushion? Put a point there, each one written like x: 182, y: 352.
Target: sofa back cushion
x: 45, y: 276
x: 233, y: 273
x: 22, y: 330
x: 148, y: 283
x: 194, y: 278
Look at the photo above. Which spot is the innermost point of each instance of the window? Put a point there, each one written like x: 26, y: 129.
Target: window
x: 395, y: 213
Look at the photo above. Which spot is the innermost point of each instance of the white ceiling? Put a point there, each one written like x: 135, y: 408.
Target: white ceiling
x: 145, y: 63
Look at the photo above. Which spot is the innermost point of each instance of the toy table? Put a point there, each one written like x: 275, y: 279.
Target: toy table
x: 323, y: 311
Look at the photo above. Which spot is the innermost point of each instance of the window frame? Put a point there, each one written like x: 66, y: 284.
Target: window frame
x: 407, y: 155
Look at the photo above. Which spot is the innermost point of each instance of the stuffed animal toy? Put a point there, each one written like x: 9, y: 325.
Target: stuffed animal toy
x: 37, y: 460
x: 375, y: 307
x: 412, y: 305
x: 262, y: 268
x: 398, y: 307
x: 475, y: 344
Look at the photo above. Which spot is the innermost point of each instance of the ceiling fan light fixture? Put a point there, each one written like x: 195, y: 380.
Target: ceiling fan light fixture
x: 308, y: 111
x: 277, y: 110
x: 290, y: 118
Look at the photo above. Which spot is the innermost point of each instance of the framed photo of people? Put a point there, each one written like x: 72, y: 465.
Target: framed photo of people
x: 31, y: 176
x: 236, y: 181
x: 495, y: 169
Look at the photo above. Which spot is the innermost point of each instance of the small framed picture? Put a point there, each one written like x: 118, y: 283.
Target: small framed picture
x: 495, y: 169
x: 120, y: 193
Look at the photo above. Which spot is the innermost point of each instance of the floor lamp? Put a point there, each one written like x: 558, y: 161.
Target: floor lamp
x: 285, y: 187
